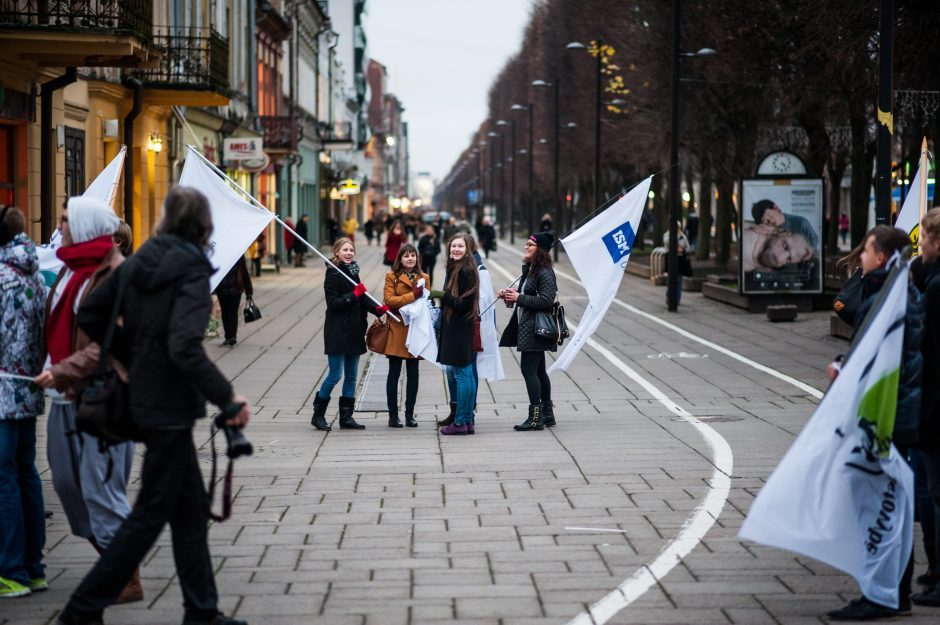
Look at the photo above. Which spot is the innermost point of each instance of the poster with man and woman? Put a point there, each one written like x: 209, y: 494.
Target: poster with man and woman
x: 781, y: 250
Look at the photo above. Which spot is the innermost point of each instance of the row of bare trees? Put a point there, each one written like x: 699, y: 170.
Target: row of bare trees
x: 795, y: 75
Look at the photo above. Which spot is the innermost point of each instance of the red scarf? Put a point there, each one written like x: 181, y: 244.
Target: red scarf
x: 83, y: 259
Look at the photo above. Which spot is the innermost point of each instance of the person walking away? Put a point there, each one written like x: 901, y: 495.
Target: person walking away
x: 685, y: 262
x: 459, y: 297
x: 369, y: 229
x: 22, y: 311
x: 546, y: 225
x: 537, y: 289
x: 450, y: 229
x: 256, y: 252
x: 394, y: 240
x: 429, y: 248
x: 401, y: 289
x: 487, y: 236
x: 344, y: 334
x: 166, y: 307
x: 349, y: 228
x: 229, y: 292
x: 91, y: 482
x: 843, y: 227
x: 881, y: 243
x: 299, y: 247
x: 289, y: 239
x: 691, y: 228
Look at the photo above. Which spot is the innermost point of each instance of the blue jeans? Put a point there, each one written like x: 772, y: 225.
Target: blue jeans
x: 22, y: 513
x: 462, y: 386
x: 344, y: 366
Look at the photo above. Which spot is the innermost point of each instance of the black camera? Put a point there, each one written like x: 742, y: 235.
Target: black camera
x: 238, y: 444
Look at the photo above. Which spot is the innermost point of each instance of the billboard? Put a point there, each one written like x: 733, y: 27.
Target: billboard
x: 781, y: 235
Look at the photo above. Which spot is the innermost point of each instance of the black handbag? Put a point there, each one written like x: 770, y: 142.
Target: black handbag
x: 251, y: 312
x: 103, y: 404
x: 551, y: 324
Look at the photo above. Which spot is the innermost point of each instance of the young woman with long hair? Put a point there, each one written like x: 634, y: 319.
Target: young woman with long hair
x: 401, y: 289
x: 343, y: 335
x: 459, y: 298
x: 396, y: 237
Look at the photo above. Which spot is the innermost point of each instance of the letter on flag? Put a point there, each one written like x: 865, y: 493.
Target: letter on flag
x: 842, y: 493
x: 599, y: 251
x: 235, y: 221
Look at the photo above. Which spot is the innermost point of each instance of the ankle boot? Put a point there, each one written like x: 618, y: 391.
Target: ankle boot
x: 393, y: 420
x: 133, y: 591
x: 346, y: 421
x: 319, y: 410
x: 450, y: 418
x: 534, y: 420
x: 410, y: 419
x: 548, y: 414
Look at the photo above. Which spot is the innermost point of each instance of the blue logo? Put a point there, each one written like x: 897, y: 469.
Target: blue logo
x: 619, y: 241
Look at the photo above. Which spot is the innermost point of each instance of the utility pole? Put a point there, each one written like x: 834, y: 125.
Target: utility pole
x: 885, y: 114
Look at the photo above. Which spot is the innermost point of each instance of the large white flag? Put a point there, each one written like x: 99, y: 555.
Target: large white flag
x: 489, y: 361
x: 599, y: 251
x: 915, y: 201
x: 235, y: 221
x: 842, y: 494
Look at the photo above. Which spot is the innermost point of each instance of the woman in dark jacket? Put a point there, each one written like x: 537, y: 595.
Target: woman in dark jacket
x: 166, y: 308
x: 536, y: 293
x: 229, y: 292
x: 299, y: 245
x: 459, y: 298
x: 344, y: 335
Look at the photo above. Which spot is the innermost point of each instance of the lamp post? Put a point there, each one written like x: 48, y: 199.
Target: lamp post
x: 500, y: 205
x: 483, y: 144
x: 512, y: 177
x: 575, y: 45
x: 531, y: 207
x: 885, y: 127
x: 558, y: 212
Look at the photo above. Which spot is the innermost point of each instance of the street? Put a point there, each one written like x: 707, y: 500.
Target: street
x: 407, y: 527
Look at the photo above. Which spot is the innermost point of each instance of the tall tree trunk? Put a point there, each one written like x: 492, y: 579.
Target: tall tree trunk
x: 724, y: 217
x: 863, y: 157
x: 704, y: 246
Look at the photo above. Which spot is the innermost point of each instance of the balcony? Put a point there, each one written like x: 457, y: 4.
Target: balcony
x: 280, y: 134
x: 336, y: 136
x: 79, y: 33
x: 193, y: 70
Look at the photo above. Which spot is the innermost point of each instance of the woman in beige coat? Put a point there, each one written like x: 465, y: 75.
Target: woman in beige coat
x: 401, y: 289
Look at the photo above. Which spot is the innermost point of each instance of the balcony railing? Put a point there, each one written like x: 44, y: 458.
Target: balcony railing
x: 134, y: 17
x: 196, y: 59
x: 280, y: 133
x: 335, y: 132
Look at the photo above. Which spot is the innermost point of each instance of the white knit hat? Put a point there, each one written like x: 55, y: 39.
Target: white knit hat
x: 90, y: 218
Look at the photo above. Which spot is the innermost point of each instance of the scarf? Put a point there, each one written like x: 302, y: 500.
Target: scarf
x: 352, y: 268
x: 82, y: 259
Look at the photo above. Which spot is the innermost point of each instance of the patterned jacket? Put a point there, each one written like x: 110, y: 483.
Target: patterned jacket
x: 22, y: 312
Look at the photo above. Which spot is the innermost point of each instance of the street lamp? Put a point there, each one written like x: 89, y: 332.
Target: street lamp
x: 575, y: 45
x: 558, y: 213
x: 528, y: 151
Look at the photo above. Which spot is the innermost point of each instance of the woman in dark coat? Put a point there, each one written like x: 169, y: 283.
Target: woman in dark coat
x: 300, y: 247
x: 229, y: 292
x: 536, y: 293
x: 343, y: 335
x: 459, y: 298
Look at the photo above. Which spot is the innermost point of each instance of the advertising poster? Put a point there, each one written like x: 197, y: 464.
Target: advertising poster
x: 781, y: 235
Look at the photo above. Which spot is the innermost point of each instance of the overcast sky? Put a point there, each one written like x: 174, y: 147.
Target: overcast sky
x: 435, y: 50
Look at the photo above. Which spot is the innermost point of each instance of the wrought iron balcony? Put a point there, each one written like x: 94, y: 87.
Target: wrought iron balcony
x: 133, y: 17
x: 280, y: 133
x: 193, y: 60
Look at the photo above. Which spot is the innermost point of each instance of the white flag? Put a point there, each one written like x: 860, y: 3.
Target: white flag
x: 489, y: 361
x: 599, y: 251
x: 842, y: 493
x: 235, y: 221
x: 104, y: 186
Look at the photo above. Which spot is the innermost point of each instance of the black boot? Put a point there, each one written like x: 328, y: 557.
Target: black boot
x: 533, y: 421
x: 319, y: 410
x: 410, y: 419
x: 450, y: 418
x: 548, y: 414
x: 393, y: 420
x: 346, y: 421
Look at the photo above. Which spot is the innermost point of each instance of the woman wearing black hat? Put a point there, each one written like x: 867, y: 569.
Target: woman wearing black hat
x: 536, y: 292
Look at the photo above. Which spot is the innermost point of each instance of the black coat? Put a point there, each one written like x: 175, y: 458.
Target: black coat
x: 456, y: 344
x: 237, y: 280
x: 538, y: 293
x: 166, y: 310
x: 930, y: 349
x: 344, y: 331
x: 301, y: 230
x: 487, y: 236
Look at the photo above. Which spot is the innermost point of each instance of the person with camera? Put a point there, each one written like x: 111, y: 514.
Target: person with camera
x: 165, y: 310
x: 91, y: 482
x: 536, y: 293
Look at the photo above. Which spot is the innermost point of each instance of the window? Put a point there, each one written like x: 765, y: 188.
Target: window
x: 74, y: 161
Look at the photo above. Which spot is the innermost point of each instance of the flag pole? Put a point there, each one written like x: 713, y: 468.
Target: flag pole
x: 497, y: 299
x: 922, y: 168
x: 117, y: 179
x: 261, y: 206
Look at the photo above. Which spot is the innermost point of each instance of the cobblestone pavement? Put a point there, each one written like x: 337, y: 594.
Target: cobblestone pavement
x: 395, y: 527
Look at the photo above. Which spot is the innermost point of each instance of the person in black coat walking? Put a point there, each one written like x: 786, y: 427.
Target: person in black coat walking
x: 166, y: 308
x: 487, y: 234
x: 536, y: 293
x: 429, y: 248
x: 344, y: 335
x: 300, y: 247
x: 229, y: 292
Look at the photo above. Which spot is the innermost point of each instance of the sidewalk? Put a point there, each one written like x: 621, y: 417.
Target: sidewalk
x: 395, y: 527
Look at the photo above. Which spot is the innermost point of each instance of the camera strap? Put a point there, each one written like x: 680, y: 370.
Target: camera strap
x: 226, y: 485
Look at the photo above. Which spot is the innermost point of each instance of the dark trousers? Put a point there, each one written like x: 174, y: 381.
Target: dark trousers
x: 256, y: 266
x: 925, y: 508
x: 411, y: 386
x: 536, y: 379
x: 229, y: 302
x: 171, y: 491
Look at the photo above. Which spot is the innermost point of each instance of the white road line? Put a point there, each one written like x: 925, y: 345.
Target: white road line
x: 694, y: 528
x: 595, y: 529
x: 806, y: 388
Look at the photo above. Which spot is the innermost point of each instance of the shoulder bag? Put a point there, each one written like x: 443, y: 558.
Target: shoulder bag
x: 551, y: 324
x: 251, y: 312
x: 377, y: 336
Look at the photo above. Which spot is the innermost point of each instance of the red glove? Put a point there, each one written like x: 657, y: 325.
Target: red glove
x: 417, y: 290
x: 359, y: 289
x: 382, y: 309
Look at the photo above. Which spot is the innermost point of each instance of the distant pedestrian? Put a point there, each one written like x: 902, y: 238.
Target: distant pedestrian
x: 843, y: 227
x: 691, y: 228
x: 546, y: 224
x: 22, y: 311
x: 368, y: 229
x: 289, y: 239
x: 166, y: 307
x: 536, y: 293
x: 332, y: 230
x: 229, y: 292
x: 349, y: 227
x: 256, y: 253
x: 394, y: 240
x: 300, y: 247
x: 487, y: 235
x: 684, y: 258
x: 401, y: 289
x: 450, y: 229
x: 344, y: 332
x: 429, y: 248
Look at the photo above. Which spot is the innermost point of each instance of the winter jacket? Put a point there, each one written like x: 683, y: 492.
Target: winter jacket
x: 456, y: 343
x: 344, y: 331
x: 237, y: 280
x: 166, y: 310
x: 930, y: 349
x: 301, y: 230
x: 399, y: 291
x: 428, y: 248
x: 908, y: 416
x: 22, y: 317
x: 538, y: 293
x: 487, y: 237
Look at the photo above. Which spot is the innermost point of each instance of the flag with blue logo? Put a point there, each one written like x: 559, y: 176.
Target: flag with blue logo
x: 599, y: 251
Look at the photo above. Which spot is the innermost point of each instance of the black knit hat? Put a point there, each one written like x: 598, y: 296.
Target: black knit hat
x: 544, y: 240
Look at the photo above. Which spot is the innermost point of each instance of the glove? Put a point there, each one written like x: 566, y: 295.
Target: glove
x: 437, y: 294
x: 381, y: 309
x: 418, y: 290
x: 359, y: 289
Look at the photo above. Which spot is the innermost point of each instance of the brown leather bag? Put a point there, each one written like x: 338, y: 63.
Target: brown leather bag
x: 377, y: 336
